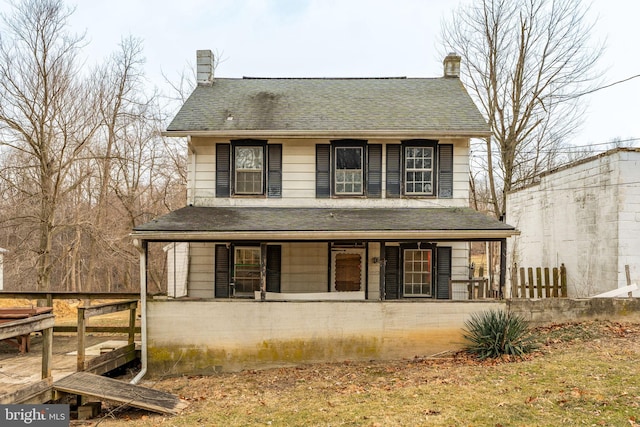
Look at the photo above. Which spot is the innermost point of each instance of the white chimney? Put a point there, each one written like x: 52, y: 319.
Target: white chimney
x: 452, y: 65
x: 204, y: 62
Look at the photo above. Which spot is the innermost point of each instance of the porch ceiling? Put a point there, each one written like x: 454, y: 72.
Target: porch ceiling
x: 261, y: 223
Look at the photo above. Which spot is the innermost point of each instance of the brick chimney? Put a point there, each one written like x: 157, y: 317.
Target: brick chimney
x: 204, y: 61
x: 452, y: 65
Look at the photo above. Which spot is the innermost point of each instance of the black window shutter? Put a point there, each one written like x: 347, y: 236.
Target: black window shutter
x: 392, y: 272
x: 374, y: 171
x: 222, y: 272
x: 323, y: 171
x: 445, y: 178
x: 393, y: 171
x: 223, y: 173
x: 274, y: 261
x: 443, y: 260
x: 274, y: 177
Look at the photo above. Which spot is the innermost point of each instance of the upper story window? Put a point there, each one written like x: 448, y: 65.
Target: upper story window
x: 414, y: 168
x: 418, y: 170
x: 349, y: 170
x: 249, y: 169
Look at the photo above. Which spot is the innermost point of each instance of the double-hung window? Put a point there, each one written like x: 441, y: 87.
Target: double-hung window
x: 348, y: 170
x: 418, y: 170
x: 248, y: 169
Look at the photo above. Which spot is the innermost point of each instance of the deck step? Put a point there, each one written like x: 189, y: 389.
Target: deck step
x: 91, y: 385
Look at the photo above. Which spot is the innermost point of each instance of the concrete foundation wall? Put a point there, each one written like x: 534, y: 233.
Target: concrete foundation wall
x: 209, y: 336
x: 560, y: 310
x: 202, y: 337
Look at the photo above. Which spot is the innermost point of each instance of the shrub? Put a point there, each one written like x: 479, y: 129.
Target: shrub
x: 495, y: 333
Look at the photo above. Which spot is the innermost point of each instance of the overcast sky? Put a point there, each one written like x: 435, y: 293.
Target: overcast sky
x: 339, y: 38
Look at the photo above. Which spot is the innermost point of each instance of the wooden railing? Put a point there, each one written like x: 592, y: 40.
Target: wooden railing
x: 49, y: 296
x: 40, y: 391
x: 46, y: 298
x: 477, y: 288
x: 107, y: 361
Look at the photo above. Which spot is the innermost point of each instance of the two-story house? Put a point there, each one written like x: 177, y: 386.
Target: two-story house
x: 325, y: 220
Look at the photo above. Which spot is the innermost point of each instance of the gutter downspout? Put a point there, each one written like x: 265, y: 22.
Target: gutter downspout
x: 142, y: 248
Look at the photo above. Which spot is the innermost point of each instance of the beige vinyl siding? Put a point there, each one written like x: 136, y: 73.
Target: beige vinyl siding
x: 298, y: 178
x: 298, y: 171
x: 373, y: 271
x: 304, y: 267
x: 205, y: 170
x: 461, y: 172
x: 459, y: 267
x: 459, y: 259
x: 201, y: 274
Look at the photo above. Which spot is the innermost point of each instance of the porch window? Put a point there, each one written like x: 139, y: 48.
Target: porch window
x: 349, y: 170
x: 246, y: 270
x: 417, y: 272
x: 249, y: 169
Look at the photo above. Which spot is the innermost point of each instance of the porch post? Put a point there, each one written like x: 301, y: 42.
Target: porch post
x: 503, y: 267
x: 263, y: 271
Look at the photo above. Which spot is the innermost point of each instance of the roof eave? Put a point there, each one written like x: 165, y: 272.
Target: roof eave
x: 331, y: 134
x: 389, y: 235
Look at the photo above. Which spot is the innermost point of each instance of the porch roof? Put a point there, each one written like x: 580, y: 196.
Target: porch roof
x: 267, y: 223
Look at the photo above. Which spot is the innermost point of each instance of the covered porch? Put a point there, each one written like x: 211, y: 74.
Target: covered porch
x: 321, y: 253
x: 255, y: 287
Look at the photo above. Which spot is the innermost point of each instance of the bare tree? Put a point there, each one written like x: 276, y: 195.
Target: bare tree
x: 120, y: 89
x: 82, y: 159
x: 43, y: 114
x: 524, y: 62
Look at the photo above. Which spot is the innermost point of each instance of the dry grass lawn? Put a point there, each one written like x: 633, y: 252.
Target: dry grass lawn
x: 582, y: 374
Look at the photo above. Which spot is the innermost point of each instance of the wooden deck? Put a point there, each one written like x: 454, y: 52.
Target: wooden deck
x: 19, y: 370
x: 43, y: 368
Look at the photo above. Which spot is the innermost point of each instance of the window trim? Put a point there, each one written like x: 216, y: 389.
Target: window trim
x: 424, y: 143
x: 262, y: 144
x: 412, y: 247
x: 349, y: 143
x: 234, y: 265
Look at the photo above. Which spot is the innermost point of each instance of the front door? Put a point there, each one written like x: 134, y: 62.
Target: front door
x: 348, y: 270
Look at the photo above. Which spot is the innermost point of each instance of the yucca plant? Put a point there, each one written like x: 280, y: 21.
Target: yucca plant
x: 494, y: 333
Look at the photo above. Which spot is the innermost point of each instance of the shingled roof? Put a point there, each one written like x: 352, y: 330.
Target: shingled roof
x: 435, y: 106
x: 211, y: 223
